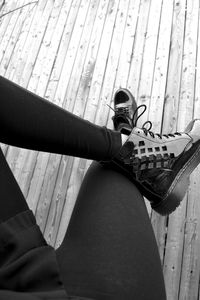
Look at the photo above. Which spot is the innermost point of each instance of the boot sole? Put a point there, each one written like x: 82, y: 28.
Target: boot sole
x: 179, y: 186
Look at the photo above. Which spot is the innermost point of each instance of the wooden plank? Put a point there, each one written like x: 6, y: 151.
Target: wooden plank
x: 13, y: 162
x: 59, y: 199
x: 13, y: 39
x: 175, y: 237
x: 174, y: 70
x: 138, y: 47
x: 189, y: 279
x: 82, y: 91
x: 39, y: 173
x: 173, y: 251
x: 71, y: 52
x: 8, y: 33
x: 16, y: 58
x: 161, y: 66
x: 36, y: 40
x: 43, y: 57
x: 127, y: 44
x: 72, y: 96
x: 5, y: 20
x: 149, y: 58
x: 53, y: 46
x: 62, y: 51
x: 189, y: 64
x: 31, y: 40
x: 47, y: 190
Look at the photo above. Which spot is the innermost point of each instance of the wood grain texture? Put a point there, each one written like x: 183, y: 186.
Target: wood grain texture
x: 76, y: 54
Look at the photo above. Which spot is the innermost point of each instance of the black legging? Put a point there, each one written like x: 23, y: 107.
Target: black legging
x: 31, y: 122
x: 109, y: 250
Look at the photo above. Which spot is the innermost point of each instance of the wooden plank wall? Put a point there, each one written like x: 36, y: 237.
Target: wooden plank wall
x: 77, y: 53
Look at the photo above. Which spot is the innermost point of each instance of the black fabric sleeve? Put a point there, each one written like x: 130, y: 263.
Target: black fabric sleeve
x: 28, y: 265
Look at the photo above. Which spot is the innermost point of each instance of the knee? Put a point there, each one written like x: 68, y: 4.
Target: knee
x: 108, y: 182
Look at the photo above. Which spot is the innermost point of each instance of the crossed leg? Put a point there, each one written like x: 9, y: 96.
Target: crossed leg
x: 109, y: 250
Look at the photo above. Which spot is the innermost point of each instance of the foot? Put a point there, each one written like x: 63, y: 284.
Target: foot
x: 160, y: 165
x: 124, y: 108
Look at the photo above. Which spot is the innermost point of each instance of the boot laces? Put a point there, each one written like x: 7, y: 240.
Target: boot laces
x: 125, y: 111
x: 122, y: 112
x: 146, y: 130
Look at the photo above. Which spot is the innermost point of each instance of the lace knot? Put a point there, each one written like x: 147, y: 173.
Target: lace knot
x: 125, y: 112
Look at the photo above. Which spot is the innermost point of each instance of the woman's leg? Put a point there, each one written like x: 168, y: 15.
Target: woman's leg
x: 29, y: 121
x: 109, y: 250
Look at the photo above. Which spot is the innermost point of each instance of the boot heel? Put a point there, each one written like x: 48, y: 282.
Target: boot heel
x: 173, y: 200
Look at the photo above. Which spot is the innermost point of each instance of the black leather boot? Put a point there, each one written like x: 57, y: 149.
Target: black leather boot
x: 160, y: 165
x: 124, y: 108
